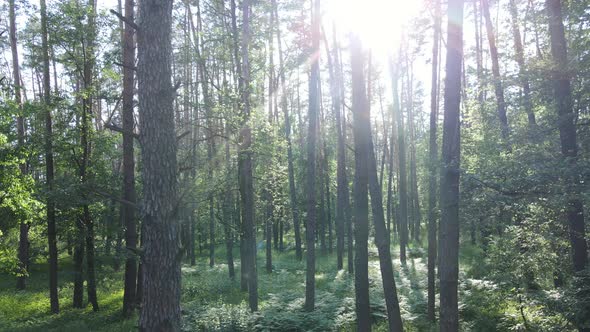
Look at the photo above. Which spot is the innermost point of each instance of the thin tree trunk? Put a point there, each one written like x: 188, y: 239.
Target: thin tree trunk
x: 381, y: 238
x: 23, y: 243
x: 498, y: 89
x: 86, y: 128
x: 245, y: 166
x: 361, y: 128
x: 403, y: 186
x: 160, y: 309
x: 51, y: 229
x: 433, y: 163
x: 291, y: 171
x: 449, y: 178
x: 522, y: 71
x: 313, y: 112
x: 128, y: 210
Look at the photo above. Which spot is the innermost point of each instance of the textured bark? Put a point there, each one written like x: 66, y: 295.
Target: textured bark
x: 449, y: 177
x: 567, y: 133
x: 49, y: 172
x: 522, y: 71
x: 312, y: 117
x: 23, y: 243
x: 361, y: 130
x: 128, y: 210
x: 245, y: 166
x: 161, y: 252
x: 498, y: 89
x: 78, y: 296
x: 433, y: 165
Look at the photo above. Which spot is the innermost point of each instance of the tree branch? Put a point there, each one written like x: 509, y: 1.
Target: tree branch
x: 125, y: 19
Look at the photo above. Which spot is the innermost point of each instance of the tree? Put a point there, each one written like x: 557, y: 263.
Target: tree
x: 312, y: 115
x: 403, y: 177
x: 161, y: 253
x: 498, y: 89
x: 129, y: 196
x: 522, y: 71
x: 23, y: 243
x: 284, y: 106
x: 567, y: 133
x: 449, y: 176
x: 433, y: 163
x: 362, y: 132
x: 49, y: 172
x: 245, y: 166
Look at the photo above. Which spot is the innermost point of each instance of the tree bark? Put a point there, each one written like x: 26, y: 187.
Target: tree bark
x: 449, y: 178
x: 403, y: 177
x: 433, y: 165
x: 23, y: 243
x: 129, y: 163
x: 161, y: 252
x: 567, y: 134
x: 245, y: 166
x: 51, y: 229
x: 312, y: 115
x: 361, y: 129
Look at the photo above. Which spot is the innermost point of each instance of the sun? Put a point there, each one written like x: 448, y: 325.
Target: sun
x: 378, y: 23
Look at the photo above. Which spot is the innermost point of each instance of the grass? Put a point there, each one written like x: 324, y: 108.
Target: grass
x: 213, y: 302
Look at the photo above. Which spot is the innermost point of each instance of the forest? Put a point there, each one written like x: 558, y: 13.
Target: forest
x: 294, y: 165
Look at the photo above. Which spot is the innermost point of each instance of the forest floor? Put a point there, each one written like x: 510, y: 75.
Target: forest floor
x: 213, y: 302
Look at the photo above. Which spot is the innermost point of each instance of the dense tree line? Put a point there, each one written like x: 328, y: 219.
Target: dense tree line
x: 144, y: 136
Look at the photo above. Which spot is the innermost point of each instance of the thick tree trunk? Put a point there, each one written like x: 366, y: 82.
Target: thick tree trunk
x: 245, y: 166
x: 361, y: 129
x: 161, y: 252
x: 51, y: 229
x: 498, y: 89
x: 433, y: 165
x: 23, y: 243
x: 312, y: 115
x: 128, y: 210
x: 567, y: 133
x: 227, y: 208
x: 449, y: 178
x: 78, y: 296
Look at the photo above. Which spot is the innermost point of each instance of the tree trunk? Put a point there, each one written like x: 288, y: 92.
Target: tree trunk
x: 567, y: 133
x: 86, y: 128
x: 522, y: 71
x: 23, y: 243
x: 51, y: 229
x: 449, y: 178
x: 128, y: 210
x: 382, y: 240
x: 433, y: 165
x: 313, y: 112
x: 160, y: 310
x: 245, y: 166
x: 498, y: 89
x: 403, y: 177
x: 361, y: 129
x: 284, y: 106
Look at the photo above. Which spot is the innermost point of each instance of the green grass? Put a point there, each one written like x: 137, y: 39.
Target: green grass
x: 212, y: 302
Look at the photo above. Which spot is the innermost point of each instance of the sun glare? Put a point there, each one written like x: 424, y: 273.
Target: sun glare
x: 378, y: 23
